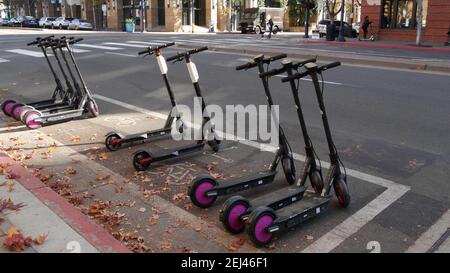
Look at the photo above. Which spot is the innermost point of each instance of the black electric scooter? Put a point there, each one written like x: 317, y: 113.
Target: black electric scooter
x: 236, y: 209
x: 142, y: 159
x: 205, y: 189
x: 115, y: 140
x: 264, y: 221
x: 83, y: 101
x: 59, y: 97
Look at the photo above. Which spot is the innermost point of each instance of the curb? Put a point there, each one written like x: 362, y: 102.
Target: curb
x: 93, y: 233
x: 380, y: 62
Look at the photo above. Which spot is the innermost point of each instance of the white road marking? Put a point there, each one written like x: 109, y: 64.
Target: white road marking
x: 3, y: 60
x: 351, y: 225
x: 145, y: 43
x: 77, y: 50
x: 27, y: 52
x: 99, y: 47
x: 121, y: 54
x: 309, y: 80
x: 434, y: 233
x: 124, y: 44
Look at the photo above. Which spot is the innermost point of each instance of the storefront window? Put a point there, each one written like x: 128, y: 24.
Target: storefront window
x: 402, y: 14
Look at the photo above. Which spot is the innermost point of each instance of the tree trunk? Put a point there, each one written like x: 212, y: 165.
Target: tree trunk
x: 419, y: 22
x: 93, y: 15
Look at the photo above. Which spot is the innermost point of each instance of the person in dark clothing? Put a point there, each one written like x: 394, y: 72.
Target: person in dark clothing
x: 365, y: 26
x: 270, y: 27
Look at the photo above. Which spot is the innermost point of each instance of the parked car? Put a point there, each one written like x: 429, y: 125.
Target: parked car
x: 4, y: 21
x: 30, y: 21
x: 45, y: 22
x: 80, y: 24
x: 348, y: 30
x: 61, y: 22
x: 16, y: 21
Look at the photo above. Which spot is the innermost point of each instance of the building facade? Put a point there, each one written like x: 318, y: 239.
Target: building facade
x: 397, y: 19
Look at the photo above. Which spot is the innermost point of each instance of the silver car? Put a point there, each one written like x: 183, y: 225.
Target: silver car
x: 80, y: 24
x: 46, y: 22
x: 61, y: 22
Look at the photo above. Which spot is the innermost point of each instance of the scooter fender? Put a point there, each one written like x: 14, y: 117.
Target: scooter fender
x: 115, y: 133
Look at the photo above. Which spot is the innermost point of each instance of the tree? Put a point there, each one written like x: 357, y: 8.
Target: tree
x: 331, y: 8
x: 419, y: 22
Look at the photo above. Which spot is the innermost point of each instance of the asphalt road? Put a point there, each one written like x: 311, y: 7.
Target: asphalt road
x: 391, y: 124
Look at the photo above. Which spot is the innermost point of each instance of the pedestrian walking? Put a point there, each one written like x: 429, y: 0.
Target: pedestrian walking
x: 270, y: 27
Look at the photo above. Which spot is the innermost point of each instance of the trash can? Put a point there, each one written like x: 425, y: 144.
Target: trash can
x: 331, y: 32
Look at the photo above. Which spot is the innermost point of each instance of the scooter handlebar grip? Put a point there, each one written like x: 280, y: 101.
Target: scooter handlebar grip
x: 300, y: 64
x: 272, y: 72
x: 329, y: 66
x: 276, y: 57
x: 295, y: 76
x: 197, y: 50
x: 144, y: 51
x: 76, y: 41
x: 32, y: 43
x: 246, y: 66
x: 179, y: 55
x: 166, y: 45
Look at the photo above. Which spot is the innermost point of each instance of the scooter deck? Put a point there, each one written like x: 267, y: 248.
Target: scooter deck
x: 280, y: 198
x: 176, y: 152
x: 147, y: 135
x: 299, y: 212
x: 243, y: 183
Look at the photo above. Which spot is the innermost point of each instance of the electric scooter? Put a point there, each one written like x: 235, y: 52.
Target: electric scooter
x: 205, y: 189
x: 142, y: 159
x: 371, y: 37
x: 84, y: 102
x: 236, y: 209
x: 115, y: 140
x: 59, y: 97
x: 264, y: 222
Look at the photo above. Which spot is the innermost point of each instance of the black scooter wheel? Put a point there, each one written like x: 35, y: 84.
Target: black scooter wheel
x: 197, y: 191
x: 341, y: 191
x: 260, y: 219
x: 6, y: 106
x: 316, y: 180
x: 142, y: 160
x: 231, y: 212
x: 214, y: 144
x: 289, y: 170
x: 24, y: 110
x: 15, y: 110
x: 113, y: 142
x: 92, y: 107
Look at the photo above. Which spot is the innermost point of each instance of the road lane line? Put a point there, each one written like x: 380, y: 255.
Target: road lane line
x: 145, y: 43
x: 27, y: 52
x: 98, y: 47
x: 124, y: 44
x: 121, y: 54
x: 77, y: 50
x: 309, y: 80
x: 433, y: 234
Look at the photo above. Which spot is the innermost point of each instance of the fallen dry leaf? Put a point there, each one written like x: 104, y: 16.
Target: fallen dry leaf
x: 75, y: 138
x: 309, y: 237
x: 70, y: 170
x: 142, y: 209
x: 39, y: 240
x: 102, y: 156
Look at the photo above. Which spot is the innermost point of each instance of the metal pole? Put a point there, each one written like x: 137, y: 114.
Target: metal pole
x: 143, y: 16
x: 307, y: 20
x: 192, y: 15
x: 341, y: 27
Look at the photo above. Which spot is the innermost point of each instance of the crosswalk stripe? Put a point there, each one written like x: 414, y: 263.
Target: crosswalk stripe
x: 145, y: 43
x: 98, y: 47
x: 123, y: 44
x: 77, y: 50
x: 3, y: 60
x: 27, y: 52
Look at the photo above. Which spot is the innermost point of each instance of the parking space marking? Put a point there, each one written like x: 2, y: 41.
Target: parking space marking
x: 351, y: 225
x: 31, y: 53
x: 427, y: 239
x: 98, y: 47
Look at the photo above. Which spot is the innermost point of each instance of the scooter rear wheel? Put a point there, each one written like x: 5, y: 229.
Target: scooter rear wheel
x: 197, y: 191
x: 30, y: 117
x: 341, y: 191
x: 231, y: 212
x: 25, y: 110
x: 113, y: 142
x: 15, y: 110
x: 6, y: 106
x: 289, y: 170
x: 214, y: 144
x: 142, y: 160
x: 93, y: 108
x: 260, y: 219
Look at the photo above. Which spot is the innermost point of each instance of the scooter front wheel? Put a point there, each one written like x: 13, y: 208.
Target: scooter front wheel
x: 6, y: 106
x: 316, y: 180
x: 24, y: 110
x: 289, y: 170
x: 15, y: 110
x: 197, y: 191
x: 231, y: 212
x: 341, y: 191
x: 113, y: 142
x: 259, y: 221
x: 142, y: 160
x: 30, y: 119
x: 92, y: 107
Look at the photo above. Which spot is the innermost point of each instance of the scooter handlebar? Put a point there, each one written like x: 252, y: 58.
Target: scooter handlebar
x: 329, y: 66
x: 190, y: 52
x: 295, y: 76
x: 274, y: 58
x: 151, y: 49
x: 272, y: 72
x: 75, y: 41
x: 300, y: 64
x: 246, y: 66
x: 39, y: 39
